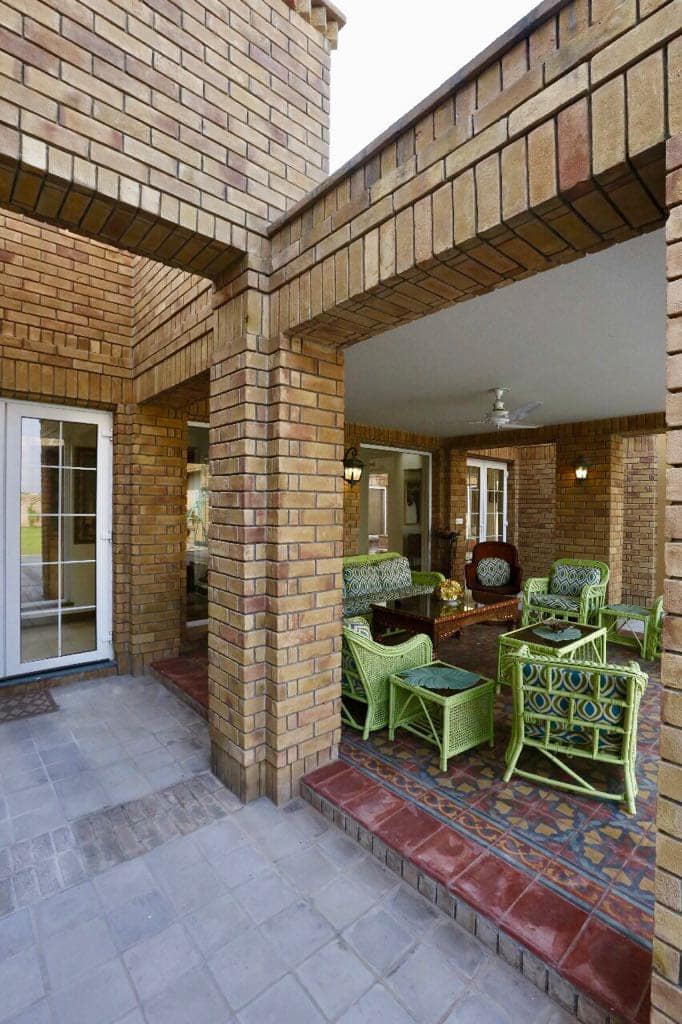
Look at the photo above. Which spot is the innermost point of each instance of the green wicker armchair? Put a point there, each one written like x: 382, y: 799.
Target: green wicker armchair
x: 575, y: 590
x: 366, y: 668
x: 576, y: 709
x: 648, y: 641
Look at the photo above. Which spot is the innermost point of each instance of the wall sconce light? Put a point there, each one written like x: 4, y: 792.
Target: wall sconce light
x: 352, y: 467
x: 581, y: 466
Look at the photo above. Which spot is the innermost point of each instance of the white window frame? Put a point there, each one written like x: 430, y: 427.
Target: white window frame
x: 426, y: 545
x: 384, y: 502
x: 484, y: 464
x: 10, y: 582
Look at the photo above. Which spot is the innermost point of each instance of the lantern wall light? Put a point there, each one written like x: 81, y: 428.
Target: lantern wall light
x: 581, y: 467
x: 352, y: 467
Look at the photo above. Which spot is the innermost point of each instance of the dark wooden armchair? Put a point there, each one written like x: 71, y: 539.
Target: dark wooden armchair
x: 487, y: 578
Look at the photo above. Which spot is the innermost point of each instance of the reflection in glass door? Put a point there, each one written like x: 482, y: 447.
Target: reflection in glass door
x: 58, y: 535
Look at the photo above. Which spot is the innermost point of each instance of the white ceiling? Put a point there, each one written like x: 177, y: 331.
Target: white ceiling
x: 587, y: 339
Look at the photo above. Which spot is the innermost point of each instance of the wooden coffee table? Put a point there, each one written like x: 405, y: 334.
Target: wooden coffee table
x: 440, y: 620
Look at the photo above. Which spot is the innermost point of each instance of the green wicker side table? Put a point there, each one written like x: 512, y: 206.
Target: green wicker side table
x: 649, y: 641
x: 453, y: 720
x: 588, y: 644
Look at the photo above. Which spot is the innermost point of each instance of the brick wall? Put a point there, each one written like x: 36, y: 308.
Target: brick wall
x: 666, y: 989
x: 536, y: 536
x: 640, y: 520
x: 66, y: 306
x: 548, y: 146
x: 209, y: 118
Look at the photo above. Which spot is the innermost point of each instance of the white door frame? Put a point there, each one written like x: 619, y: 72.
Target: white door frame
x: 10, y: 457
x: 482, y: 464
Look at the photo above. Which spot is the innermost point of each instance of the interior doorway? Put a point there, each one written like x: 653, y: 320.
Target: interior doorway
x: 395, y: 503
x: 196, y: 548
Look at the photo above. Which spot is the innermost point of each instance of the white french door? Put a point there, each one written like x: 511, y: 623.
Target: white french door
x: 486, y: 500
x: 55, y: 464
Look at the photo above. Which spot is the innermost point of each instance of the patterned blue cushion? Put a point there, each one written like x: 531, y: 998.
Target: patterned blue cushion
x: 358, y: 625
x: 359, y: 580
x: 493, y: 572
x: 570, y: 693
x: 394, y: 573
x: 610, y: 742
x: 569, y: 580
x: 558, y: 601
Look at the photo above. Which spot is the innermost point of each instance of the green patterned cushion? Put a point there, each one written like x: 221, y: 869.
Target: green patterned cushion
x: 558, y: 601
x: 569, y: 580
x: 361, y: 605
x: 359, y: 580
x: 394, y: 573
x: 358, y: 625
x: 493, y: 572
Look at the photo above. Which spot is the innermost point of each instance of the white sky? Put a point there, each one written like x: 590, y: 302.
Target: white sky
x: 392, y: 53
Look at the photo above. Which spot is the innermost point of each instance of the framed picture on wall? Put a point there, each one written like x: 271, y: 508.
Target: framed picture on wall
x: 413, y: 497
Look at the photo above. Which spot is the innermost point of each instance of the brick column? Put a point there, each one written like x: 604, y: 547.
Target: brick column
x: 150, y: 482
x: 666, y: 993
x: 589, y: 515
x: 457, y: 482
x: 275, y: 545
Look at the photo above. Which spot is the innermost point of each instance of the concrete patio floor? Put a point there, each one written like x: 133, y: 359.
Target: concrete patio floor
x: 134, y: 888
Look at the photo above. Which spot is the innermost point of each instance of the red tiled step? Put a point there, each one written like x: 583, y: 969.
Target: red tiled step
x: 601, y: 962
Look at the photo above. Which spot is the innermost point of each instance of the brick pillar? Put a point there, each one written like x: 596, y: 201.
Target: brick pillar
x: 275, y: 545
x: 589, y: 515
x: 457, y: 480
x: 666, y: 993
x: 150, y: 454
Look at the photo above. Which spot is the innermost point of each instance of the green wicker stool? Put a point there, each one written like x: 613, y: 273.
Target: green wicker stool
x: 649, y: 641
x: 452, y: 720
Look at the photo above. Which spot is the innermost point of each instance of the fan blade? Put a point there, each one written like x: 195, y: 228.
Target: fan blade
x: 523, y: 411
x: 519, y: 426
x: 477, y: 422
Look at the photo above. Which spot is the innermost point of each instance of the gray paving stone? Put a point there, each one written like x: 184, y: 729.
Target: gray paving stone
x: 21, y: 982
x: 287, y: 1000
x: 265, y: 896
x: 370, y: 873
x: 335, y: 977
x: 475, y: 1008
x: 342, y: 901
x: 413, y: 908
x: 459, y: 946
x: 70, y: 952
x: 38, y: 1013
x: 188, y: 886
x: 309, y: 870
x: 100, y: 996
x: 510, y: 989
x: 140, y: 918
x: 155, y: 962
x: 66, y: 909
x: 427, y: 983
x: 379, y: 1007
x: 216, y: 923
x: 192, y: 999
x: 16, y: 933
x: 221, y: 837
x: 245, y: 967
x: 31, y: 799
x: 123, y: 883
x: 379, y: 939
x: 298, y: 931
x: 7, y: 901
x: 34, y: 823
x: 339, y: 849
x: 240, y: 866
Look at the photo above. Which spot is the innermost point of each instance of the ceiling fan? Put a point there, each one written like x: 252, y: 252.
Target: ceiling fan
x: 506, y: 419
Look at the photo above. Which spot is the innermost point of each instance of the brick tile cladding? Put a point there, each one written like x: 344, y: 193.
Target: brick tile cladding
x: 547, y: 147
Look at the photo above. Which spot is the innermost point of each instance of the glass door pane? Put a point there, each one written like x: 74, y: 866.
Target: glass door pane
x: 495, y: 484
x: 58, y: 529
x: 58, y: 564
x: 473, y: 506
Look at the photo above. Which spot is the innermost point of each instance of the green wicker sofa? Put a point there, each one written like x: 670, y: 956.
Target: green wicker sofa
x: 370, y: 579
